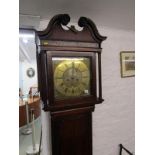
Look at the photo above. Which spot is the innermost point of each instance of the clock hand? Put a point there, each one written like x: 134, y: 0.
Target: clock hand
x: 72, y: 69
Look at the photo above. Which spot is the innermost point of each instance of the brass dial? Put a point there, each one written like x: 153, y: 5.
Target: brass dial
x: 72, y: 77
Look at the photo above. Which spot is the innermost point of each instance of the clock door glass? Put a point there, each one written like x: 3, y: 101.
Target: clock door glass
x: 71, y: 77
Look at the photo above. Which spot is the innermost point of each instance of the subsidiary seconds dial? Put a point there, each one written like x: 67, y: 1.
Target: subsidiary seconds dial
x: 72, y: 77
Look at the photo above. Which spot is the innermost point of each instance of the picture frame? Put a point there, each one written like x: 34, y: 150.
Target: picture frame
x: 127, y: 61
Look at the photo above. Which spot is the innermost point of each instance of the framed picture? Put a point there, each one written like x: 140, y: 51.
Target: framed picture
x: 127, y: 59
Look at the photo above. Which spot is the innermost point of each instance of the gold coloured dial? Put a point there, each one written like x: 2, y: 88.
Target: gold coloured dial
x: 71, y: 77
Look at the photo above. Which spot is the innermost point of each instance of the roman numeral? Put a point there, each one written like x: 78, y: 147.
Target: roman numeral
x: 61, y: 70
x: 72, y: 91
x: 66, y: 89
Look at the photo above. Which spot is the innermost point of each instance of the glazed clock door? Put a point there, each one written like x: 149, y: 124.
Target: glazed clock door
x: 71, y: 76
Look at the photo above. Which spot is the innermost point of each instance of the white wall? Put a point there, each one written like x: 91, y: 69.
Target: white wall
x: 113, y: 121
x: 26, y: 81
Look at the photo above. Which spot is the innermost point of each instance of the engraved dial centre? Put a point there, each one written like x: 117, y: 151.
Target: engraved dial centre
x: 72, y: 77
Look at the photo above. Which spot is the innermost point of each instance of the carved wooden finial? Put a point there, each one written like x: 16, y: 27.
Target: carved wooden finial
x: 54, y: 30
x: 88, y: 23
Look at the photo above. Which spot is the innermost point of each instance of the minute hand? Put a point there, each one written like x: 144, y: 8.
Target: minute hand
x: 72, y: 69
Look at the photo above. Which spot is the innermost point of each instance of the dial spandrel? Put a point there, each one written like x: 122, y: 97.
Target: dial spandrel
x: 71, y: 77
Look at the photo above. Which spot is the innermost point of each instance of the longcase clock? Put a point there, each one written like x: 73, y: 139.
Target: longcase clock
x: 69, y: 79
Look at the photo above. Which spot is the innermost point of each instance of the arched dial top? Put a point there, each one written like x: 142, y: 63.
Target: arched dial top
x: 71, y: 77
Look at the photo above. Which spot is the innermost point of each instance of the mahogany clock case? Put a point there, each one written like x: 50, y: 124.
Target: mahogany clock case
x: 71, y: 117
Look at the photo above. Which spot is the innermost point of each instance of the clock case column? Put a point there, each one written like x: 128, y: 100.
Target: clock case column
x: 71, y: 119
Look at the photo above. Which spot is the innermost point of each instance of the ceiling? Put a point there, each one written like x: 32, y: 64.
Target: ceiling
x: 110, y: 13
x: 117, y: 14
